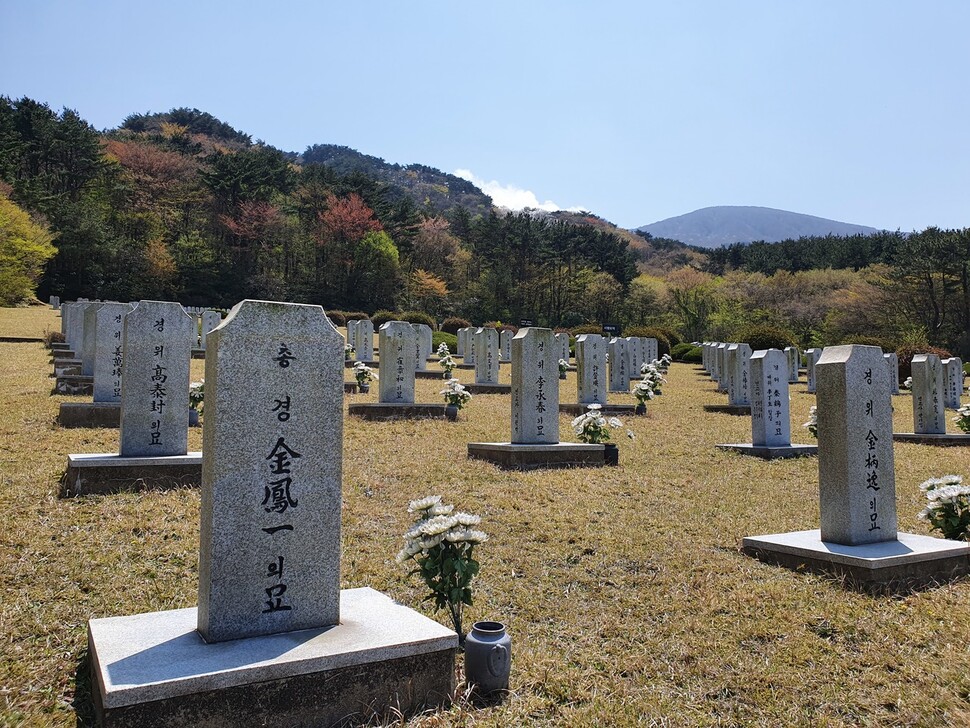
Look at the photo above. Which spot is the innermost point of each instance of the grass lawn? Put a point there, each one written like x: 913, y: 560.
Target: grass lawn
x: 623, y: 588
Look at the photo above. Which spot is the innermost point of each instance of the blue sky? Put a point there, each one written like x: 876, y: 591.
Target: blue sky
x: 637, y: 111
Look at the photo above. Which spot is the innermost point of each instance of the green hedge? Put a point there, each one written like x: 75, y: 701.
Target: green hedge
x: 442, y: 336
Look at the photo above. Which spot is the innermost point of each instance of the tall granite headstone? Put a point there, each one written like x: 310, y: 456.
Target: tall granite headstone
x: 739, y: 374
x: 89, y: 338
x: 811, y: 358
x: 952, y: 382
x: 635, y: 354
x: 562, y: 341
x: 892, y: 362
x: 619, y: 365
x: 462, y: 335
x: 157, y: 343
x: 109, y: 353
x: 271, y: 473
x: 365, y: 340
x: 535, y: 387
x: 486, y: 361
x: 857, y: 485
x: 770, y: 419
x: 470, y: 352
x: 352, y: 335
x: 723, y: 371
x: 425, y: 338
x: 929, y: 416
x: 398, y: 344
x: 591, y: 369
x: 209, y: 320
x: 505, y: 345
x: 794, y: 357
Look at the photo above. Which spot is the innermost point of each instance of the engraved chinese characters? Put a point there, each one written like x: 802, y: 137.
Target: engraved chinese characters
x: 157, y: 342
x: 398, y: 343
x: 738, y: 363
x: 364, y: 343
x: 425, y: 338
x: 857, y: 486
x: 794, y: 362
x: 505, y: 345
x: 108, y: 352
x: 619, y: 374
x: 271, y: 472
x: 952, y: 382
x: 535, y: 387
x: 929, y: 417
x: 770, y: 421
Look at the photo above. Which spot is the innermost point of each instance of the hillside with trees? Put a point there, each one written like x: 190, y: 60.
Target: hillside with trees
x: 182, y: 206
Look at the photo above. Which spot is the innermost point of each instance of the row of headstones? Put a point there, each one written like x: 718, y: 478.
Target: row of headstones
x: 937, y: 386
x: 360, y: 335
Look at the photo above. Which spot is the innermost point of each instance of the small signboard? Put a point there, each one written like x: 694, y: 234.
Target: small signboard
x: 524, y: 323
x: 611, y: 329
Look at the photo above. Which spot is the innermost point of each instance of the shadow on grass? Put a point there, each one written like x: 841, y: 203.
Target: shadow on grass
x: 83, y: 704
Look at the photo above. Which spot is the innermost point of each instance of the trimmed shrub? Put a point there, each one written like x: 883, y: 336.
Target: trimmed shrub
x: 337, y: 318
x: 652, y: 332
x: 355, y: 316
x: 439, y: 337
x: 418, y: 317
x: 586, y: 329
x: 383, y: 316
x: 692, y: 354
x: 451, y: 325
x: 908, y: 351
x: 760, y: 337
x: 677, y: 351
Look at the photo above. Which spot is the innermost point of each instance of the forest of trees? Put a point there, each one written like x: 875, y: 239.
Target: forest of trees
x: 181, y: 206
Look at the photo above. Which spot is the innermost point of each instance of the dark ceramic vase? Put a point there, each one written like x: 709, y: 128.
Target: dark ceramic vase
x: 640, y: 409
x: 488, y: 657
x: 611, y: 455
x: 451, y: 412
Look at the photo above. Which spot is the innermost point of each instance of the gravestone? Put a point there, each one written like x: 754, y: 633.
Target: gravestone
x: 109, y: 351
x: 505, y: 345
x: 794, y: 358
x: 723, y: 371
x: 952, y: 382
x: 352, y: 335
x: 210, y: 319
x: 770, y: 418
x: 365, y: 340
x: 712, y: 361
x: 636, y: 355
x: 591, y: 369
x: 929, y: 416
x: 562, y: 341
x: 89, y: 338
x: 486, y: 349
x: 619, y: 371
x: 462, y: 335
x: 652, y: 353
x: 811, y: 358
x: 270, y: 524
x: 157, y: 343
x: 892, y: 362
x: 398, y: 344
x: 470, y: 353
x: 738, y: 362
x: 535, y: 387
x: 424, y: 343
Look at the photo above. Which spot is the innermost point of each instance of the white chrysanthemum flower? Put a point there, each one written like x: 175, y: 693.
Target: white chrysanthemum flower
x: 441, y: 509
x: 432, y: 541
x: 467, y: 519
x: 423, y: 504
x: 438, y: 525
x: 594, y: 406
x: 615, y: 422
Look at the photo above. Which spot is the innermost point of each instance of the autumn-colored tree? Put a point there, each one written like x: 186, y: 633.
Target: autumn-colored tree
x: 427, y: 291
x: 24, y: 248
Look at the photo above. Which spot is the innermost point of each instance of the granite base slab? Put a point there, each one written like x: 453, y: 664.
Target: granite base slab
x: 63, y: 354
x: 766, y: 452
x: 531, y: 457
x: 198, y: 353
x: 911, y: 562
x: 67, y: 370
x: 59, y: 346
x: 489, y: 388
x: 729, y: 409
x: 74, y: 384
x: 927, y: 439
x: 155, y: 670
x: 99, y: 474
x: 386, y: 411
x: 464, y: 366
x: 350, y: 387
x: 89, y: 414
x: 571, y: 408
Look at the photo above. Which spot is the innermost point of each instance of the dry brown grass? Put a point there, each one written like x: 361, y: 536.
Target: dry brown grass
x: 623, y: 588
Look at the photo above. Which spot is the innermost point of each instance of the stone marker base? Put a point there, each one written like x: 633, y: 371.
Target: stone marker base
x: 198, y: 353
x: 156, y: 670
x: 489, y: 388
x: 530, y: 457
x: 74, y: 384
x: 90, y: 474
x: 909, y: 563
x: 59, y: 345
x: 63, y: 354
x: 70, y: 369
x: 89, y: 414
x: 22, y: 339
x: 927, y: 439
x: 350, y: 387
x: 388, y: 411
x: 349, y: 363
x: 729, y: 409
x: 767, y: 452
x: 464, y: 366
x: 570, y: 408
x: 429, y: 374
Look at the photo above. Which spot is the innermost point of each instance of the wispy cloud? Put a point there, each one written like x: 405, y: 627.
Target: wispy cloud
x: 510, y: 196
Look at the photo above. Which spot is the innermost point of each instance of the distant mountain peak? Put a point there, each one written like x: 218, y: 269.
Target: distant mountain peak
x: 712, y: 227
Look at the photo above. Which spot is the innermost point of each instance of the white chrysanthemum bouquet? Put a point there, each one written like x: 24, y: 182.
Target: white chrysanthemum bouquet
x: 456, y: 394
x: 441, y: 542
x: 364, y: 373
x: 592, y: 427
x: 812, y: 424
x: 948, y: 506
x: 963, y: 418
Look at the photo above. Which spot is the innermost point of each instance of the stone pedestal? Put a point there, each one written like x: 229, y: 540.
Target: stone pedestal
x: 155, y: 670
x: 570, y: 408
x: 920, y: 438
x: 770, y: 452
x: 479, y: 388
x: 89, y: 414
x: 531, y: 457
x: 729, y: 409
x: 907, y: 563
x: 74, y: 384
x: 89, y: 474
